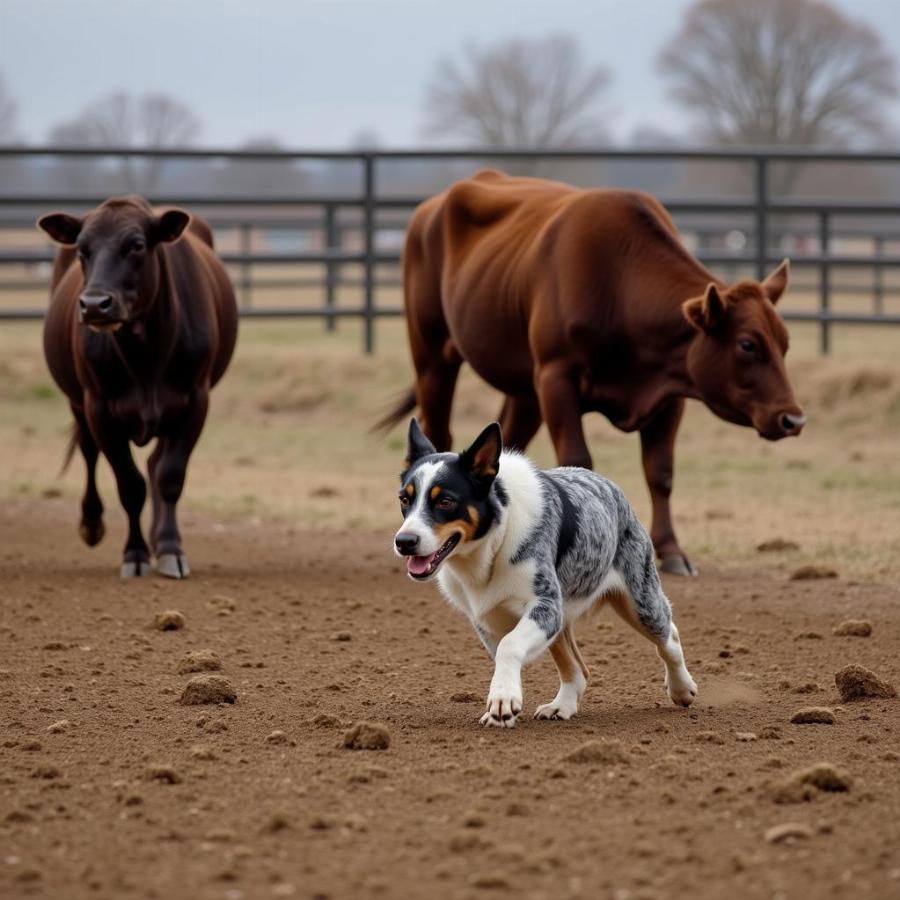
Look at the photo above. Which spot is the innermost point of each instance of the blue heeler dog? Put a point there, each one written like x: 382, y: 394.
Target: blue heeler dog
x: 524, y: 553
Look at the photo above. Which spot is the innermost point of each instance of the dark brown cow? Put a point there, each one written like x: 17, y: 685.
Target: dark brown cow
x: 142, y: 322
x: 573, y: 300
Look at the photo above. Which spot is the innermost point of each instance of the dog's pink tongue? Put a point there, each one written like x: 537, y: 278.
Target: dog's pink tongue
x: 418, y: 565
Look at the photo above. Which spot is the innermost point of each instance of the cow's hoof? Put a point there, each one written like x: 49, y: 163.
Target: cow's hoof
x: 135, y: 569
x: 678, y: 564
x: 173, y: 565
x: 92, y: 532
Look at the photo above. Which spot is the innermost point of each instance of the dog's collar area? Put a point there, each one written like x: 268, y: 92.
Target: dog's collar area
x: 425, y: 566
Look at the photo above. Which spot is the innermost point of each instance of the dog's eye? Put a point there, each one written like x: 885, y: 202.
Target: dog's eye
x: 404, y: 501
x: 446, y: 503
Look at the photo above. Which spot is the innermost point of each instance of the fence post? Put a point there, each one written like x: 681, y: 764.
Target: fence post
x: 878, y: 292
x: 332, y: 244
x: 246, y: 282
x: 825, y: 299
x: 762, y: 231
x: 369, y: 274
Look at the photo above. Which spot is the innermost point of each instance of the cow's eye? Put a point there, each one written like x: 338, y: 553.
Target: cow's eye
x: 404, y: 502
x: 446, y: 503
x: 747, y: 347
x: 136, y: 246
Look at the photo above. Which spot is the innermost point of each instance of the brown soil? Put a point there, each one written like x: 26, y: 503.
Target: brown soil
x: 109, y: 788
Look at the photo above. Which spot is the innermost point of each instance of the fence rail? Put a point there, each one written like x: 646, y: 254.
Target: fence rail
x: 352, y: 225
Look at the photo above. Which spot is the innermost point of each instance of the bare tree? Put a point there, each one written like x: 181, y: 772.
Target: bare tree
x: 154, y: 121
x: 787, y: 72
x: 519, y: 93
x: 9, y: 113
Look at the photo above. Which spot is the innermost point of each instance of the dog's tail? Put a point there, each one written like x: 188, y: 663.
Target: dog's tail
x: 71, y: 444
x: 406, y: 403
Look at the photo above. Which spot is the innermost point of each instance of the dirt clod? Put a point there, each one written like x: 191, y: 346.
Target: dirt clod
x: 853, y: 628
x: 163, y: 773
x: 813, y: 715
x: 199, y: 661
x: 806, y: 784
x: 60, y: 726
x: 367, y: 736
x: 856, y: 682
x: 812, y: 573
x: 710, y: 737
x: 208, y: 689
x: 169, y: 620
x: 605, y: 752
x: 465, y: 697
x: 786, y: 832
x: 777, y: 545
x: 277, y: 737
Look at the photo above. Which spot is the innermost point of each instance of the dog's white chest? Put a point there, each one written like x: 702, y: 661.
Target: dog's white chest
x: 507, y: 585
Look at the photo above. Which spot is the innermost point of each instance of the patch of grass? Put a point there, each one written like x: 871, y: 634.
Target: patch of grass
x: 839, y: 478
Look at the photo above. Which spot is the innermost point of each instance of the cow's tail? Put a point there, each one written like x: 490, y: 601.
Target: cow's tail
x: 70, y: 449
x: 406, y: 404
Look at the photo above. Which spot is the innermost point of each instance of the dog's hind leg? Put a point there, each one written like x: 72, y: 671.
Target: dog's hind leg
x: 640, y: 601
x: 573, y: 678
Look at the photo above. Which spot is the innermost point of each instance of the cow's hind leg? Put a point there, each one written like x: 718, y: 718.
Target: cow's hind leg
x: 91, y: 527
x: 435, y: 385
x: 520, y: 418
x: 640, y: 601
x: 573, y: 678
x: 658, y: 454
x: 168, y: 472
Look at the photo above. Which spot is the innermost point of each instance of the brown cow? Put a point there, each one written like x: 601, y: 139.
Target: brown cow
x: 572, y: 300
x: 142, y: 322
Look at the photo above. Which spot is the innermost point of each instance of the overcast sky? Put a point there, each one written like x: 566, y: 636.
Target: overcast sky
x: 316, y: 73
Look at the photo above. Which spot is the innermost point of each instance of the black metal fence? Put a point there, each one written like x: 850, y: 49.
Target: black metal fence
x: 352, y: 223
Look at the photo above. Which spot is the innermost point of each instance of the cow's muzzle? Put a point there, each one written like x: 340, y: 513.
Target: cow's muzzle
x: 100, y: 311
x: 781, y: 424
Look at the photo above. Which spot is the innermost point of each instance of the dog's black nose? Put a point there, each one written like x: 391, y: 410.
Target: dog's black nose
x: 406, y: 543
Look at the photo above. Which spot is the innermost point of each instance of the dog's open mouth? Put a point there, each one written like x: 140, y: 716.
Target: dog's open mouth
x: 425, y: 566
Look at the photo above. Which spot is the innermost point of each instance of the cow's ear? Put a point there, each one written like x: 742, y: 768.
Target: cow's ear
x: 62, y: 228
x: 776, y: 284
x: 169, y: 226
x: 417, y: 445
x: 706, y: 313
x: 482, y: 458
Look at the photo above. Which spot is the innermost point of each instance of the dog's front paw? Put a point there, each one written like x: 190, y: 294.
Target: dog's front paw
x: 502, y: 710
x: 556, y: 710
x: 682, y: 689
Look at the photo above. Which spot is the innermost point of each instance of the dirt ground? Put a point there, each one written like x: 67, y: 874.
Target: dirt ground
x: 111, y: 788
x: 317, y: 630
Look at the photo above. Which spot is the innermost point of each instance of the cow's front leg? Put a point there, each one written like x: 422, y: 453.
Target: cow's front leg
x: 560, y: 406
x: 114, y: 443
x: 533, y: 634
x: 658, y: 454
x: 91, y: 527
x: 168, y: 473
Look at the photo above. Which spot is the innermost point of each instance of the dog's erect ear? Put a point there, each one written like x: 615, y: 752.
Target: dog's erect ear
x: 61, y: 227
x: 417, y: 445
x: 482, y: 458
x: 706, y: 313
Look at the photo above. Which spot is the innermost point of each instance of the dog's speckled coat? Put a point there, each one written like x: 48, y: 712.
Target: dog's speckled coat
x: 537, y: 550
